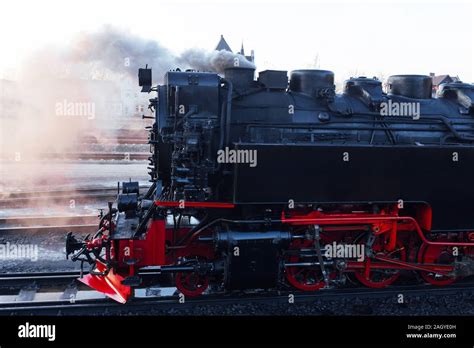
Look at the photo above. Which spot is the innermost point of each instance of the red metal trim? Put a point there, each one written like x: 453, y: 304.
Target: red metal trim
x: 425, y: 216
x: 97, y: 242
x: 415, y: 266
x: 110, y: 285
x: 195, y: 204
x: 365, y: 219
x: 184, y: 284
x: 393, y: 237
x: 156, y: 242
x: 132, y: 256
x: 146, y: 252
x: 397, y: 264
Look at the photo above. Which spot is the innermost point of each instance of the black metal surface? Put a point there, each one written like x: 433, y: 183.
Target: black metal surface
x: 459, y: 93
x: 369, y: 91
x: 311, y: 82
x: 301, y: 133
x: 130, y: 187
x: 126, y: 227
x: 411, y: 86
x: 252, y: 258
x: 371, y: 174
x: 254, y: 267
x: 127, y: 202
x: 241, y: 78
x: 274, y: 79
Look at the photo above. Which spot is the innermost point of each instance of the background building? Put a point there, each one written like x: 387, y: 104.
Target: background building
x: 439, y: 79
x: 223, y: 45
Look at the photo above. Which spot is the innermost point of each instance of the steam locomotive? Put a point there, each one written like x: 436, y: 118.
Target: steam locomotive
x: 277, y: 183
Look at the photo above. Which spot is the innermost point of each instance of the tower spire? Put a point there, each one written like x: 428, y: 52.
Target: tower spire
x: 222, y: 45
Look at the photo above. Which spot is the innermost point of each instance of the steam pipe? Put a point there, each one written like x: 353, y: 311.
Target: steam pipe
x: 225, y: 122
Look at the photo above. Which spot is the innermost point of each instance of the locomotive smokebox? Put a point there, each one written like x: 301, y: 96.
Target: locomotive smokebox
x: 410, y: 86
x: 241, y: 78
x: 311, y: 82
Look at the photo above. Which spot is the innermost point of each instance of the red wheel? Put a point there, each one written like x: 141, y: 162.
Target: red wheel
x: 438, y: 254
x: 191, y: 284
x: 303, y: 278
x: 380, y: 278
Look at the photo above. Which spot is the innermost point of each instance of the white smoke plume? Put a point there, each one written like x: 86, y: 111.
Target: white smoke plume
x: 121, y: 52
x: 215, y: 61
x: 83, y: 88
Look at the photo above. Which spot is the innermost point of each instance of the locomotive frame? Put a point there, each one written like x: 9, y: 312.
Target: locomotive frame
x: 331, y: 169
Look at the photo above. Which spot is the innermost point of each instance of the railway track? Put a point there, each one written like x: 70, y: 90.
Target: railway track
x: 73, y: 223
x: 129, y: 140
x: 70, y: 299
x: 124, y: 140
x: 80, y: 195
x: 30, y: 224
x: 80, y: 228
x: 27, y: 221
x: 124, y: 157
x: 118, y: 156
x: 24, y: 279
x: 53, y: 193
x: 58, y: 200
x: 123, y: 136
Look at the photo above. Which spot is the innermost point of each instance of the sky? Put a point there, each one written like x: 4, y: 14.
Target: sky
x: 370, y: 38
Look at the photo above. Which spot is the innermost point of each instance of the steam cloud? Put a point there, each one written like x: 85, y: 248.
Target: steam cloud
x: 95, y: 69
x: 121, y: 52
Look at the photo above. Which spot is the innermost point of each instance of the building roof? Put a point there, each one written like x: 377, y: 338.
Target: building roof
x: 437, y: 80
x: 222, y: 45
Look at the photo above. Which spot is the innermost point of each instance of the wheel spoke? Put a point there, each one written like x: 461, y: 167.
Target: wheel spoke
x: 380, y: 278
